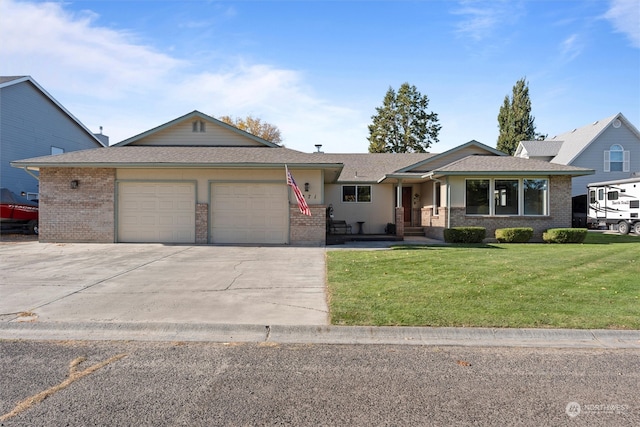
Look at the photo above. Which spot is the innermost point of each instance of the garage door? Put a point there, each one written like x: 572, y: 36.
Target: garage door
x: 249, y: 213
x: 156, y: 212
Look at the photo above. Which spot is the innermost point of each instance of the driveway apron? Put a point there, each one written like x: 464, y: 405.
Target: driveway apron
x: 47, y: 282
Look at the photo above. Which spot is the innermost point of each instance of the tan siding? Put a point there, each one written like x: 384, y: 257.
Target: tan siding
x: 182, y: 134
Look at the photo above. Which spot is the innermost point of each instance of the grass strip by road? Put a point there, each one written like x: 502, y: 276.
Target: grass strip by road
x: 594, y: 285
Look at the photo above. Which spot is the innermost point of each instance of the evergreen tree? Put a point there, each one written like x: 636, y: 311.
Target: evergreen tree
x: 515, y: 120
x: 403, y: 124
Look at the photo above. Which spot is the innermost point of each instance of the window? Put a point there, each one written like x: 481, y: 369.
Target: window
x: 505, y: 196
x: 592, y: 196
x: 198, y: 126
x: 510, y: 197
x: 616, y: 159
x: 56, y: 150
x: 612, y: 195
x: 356, y: 193
x: 477, y: 197
x: 535, y: 196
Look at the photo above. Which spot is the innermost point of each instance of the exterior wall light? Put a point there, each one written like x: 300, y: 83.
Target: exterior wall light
x: 306, y: 187
x: 74, y: 184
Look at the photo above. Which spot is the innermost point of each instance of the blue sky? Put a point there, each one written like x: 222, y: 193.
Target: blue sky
x: 318, y: 69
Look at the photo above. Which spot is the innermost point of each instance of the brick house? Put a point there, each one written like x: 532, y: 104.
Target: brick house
x: 198, y: 180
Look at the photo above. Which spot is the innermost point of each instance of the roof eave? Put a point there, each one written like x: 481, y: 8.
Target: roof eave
x: 147, y: 165
x: 511, y: 173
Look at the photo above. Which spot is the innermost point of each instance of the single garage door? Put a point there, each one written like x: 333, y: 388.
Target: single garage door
x: 156, y: 212
x: 249, y: 213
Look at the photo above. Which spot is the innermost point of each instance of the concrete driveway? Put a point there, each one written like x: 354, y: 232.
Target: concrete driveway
x: 47, y: 282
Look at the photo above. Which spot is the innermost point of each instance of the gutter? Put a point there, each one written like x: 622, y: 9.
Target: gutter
x: 37, y: 177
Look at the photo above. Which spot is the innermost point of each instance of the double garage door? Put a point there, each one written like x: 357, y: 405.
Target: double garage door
x: 164, y: 212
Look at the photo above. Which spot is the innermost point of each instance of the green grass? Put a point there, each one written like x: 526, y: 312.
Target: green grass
x: 595, y: 284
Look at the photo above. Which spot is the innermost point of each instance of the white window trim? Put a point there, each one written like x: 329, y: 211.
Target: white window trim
x: 492, y: 186
x: 626, y: 159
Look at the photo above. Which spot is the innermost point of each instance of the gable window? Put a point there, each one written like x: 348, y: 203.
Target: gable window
x: 616, y: 159
x: 505, y: 196
x: 356, y: 193
x: 56, y: 150
x: 536, y: 196
x: 198, y: 126
x: 477, y: 197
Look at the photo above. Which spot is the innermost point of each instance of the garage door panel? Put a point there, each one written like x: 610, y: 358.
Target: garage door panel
x: 156, y: 212
x: 249, y: 213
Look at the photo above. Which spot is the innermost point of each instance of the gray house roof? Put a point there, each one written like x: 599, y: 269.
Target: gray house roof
x: 6, y: 81
x: 507, y: 165
x: 566, y: 147
x: 470, y: 158
x: 546, y: 148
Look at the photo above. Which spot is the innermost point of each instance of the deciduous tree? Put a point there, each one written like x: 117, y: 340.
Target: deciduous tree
x: 255, y: 126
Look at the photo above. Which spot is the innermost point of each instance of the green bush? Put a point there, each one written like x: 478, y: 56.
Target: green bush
x: 564, y: 235
x: 514, y: 235
x: 465, y: 234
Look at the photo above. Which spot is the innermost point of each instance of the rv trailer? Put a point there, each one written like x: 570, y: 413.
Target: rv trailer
x: 615, y: 203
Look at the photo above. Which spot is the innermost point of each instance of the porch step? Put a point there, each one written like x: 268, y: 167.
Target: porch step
x: 414, y: 231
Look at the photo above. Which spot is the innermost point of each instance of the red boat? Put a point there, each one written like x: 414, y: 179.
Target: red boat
x: 17, y: 212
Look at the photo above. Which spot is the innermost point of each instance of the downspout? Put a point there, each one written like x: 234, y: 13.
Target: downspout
x: 448, y: 202
x: 447, y: 198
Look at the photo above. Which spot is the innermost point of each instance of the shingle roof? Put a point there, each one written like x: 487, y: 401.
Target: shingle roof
x: 577, y: 140
x: 371, y: 167
x: 508, y: 165
x: 544, y: 148
x: 181, y: 156
x: 6, y: 79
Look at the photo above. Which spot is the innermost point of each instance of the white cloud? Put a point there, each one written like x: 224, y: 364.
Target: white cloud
x: 571, y: 47
x: 482, y: 19
x: 106, y: 77
x: 70, y: 52
x: 624, y: 15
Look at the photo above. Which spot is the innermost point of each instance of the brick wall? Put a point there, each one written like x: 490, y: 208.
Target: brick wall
x: 434, y: 225
x: 308, y: 230
x: 400, y: 222
x: 83, y: 214
x: 202, y: 223
x: 559, y: 213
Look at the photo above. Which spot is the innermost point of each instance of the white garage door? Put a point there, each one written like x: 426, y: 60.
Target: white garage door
x: 156, y: 212
x: 249, y: 213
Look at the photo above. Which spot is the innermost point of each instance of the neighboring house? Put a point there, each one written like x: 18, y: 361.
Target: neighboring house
x: 609, y: 146
x: 33, y: 123
x: 199, y: 180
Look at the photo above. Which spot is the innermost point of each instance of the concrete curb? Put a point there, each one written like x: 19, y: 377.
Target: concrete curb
x: 169, y: 332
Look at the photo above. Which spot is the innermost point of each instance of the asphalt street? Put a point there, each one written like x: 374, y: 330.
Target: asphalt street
x: 204, y: 384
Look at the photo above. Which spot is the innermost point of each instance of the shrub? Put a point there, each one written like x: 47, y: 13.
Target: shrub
x: 465, y: 234
x: 564, y: 235
x: 514, y: 235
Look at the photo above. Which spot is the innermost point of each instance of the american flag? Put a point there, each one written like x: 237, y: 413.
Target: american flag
x: 302, y: 203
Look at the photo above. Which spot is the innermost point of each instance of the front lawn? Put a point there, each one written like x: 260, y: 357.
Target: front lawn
x: 592, y: 285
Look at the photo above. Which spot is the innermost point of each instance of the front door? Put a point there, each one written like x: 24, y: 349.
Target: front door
x: 406, y: 204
